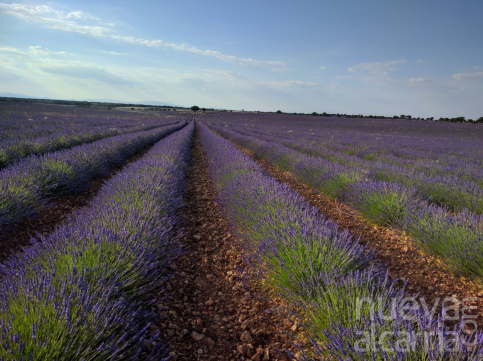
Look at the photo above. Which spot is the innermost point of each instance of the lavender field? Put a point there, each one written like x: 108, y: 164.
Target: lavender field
x: 142, y: 273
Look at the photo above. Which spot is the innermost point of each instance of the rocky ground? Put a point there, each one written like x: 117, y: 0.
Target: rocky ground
x: 208, y: 313
x: 13, y: 240
x: 425, y: 275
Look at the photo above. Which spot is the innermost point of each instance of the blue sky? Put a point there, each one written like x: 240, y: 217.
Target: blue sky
x: 387, y: 57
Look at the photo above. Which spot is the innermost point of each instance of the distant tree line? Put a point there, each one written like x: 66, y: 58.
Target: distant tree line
x: 402, y: 116
x: 195, y: 108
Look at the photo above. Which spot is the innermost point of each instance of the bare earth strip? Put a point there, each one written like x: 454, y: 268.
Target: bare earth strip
x: 424, y: 275
x: 207, y: 313
x: 62, y: 207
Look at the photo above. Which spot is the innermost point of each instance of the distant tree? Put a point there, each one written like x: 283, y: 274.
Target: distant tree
x: 203, y: 110
x: 195, y: 108
x: 132, y: 108
x: 279, y: 112
x: 314, y: 114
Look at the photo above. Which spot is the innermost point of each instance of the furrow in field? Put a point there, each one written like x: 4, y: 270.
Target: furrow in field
x: 59, y: 212
x: 14, y: 150
x: 206, y: 312
x: 424, y: 273
x: 323, y: 273
x: 86, y: 290
x: 455, y: 238
x: 27, y: 188
x: 441, y: 188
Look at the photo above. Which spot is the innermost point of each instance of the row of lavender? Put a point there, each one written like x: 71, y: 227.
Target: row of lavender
x: 389, y: 155
x: 456, y: 237
x: 31, y: 120
x: 322, y: 274
x: 24, y: 134
x: 83, y: 292
x: 398, y: 140
x: 27, y: 187
x: 446, y: 180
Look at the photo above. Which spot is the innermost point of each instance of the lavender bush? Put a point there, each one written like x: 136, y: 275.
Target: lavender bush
x: 320, y: 272
x: 455, y: 181
x: 82, y: 292
x: 382, y: 202
x: 457, y: 238
x: 40, y: 129
x: 26, y: 187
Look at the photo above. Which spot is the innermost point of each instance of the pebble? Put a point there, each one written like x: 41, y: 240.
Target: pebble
x: 197, y: 336
x: 242, y: 349
x: 246, y: 337
x: 210, y: 342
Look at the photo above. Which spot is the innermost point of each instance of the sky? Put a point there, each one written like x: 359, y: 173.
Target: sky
x: 370, y: 57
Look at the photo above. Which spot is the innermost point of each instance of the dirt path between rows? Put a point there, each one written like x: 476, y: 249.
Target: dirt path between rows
x: 19, y: 236
x: 207, y: 313
x: 424, y: 274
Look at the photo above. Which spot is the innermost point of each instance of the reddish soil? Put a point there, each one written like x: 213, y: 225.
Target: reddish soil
x: 19, y: 236
x: 425, y: 275
x: 207, y: 312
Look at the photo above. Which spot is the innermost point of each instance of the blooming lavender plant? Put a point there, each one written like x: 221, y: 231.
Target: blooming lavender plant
x: 40, y: 129
x: 455, y: 182
x: 321, y: 274
x: 457, y: 238
x: 82, y: 292
x: 27, y: 187
x: 388, y: 203
x: 382, y: 202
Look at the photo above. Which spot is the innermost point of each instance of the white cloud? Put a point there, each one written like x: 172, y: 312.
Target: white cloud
x: 421, y: 60
x: 192, y: 49
x: 417, y: 80
x: 12, y: 50
x: 54, y: 19
x: 377, y: 68
x: 322, y: 67
x: 60, y: 20
x: 468, y: 75
x: 45, y: 51
x: 477, y: 67
x: 113, y: 52
x: 35, y: 12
